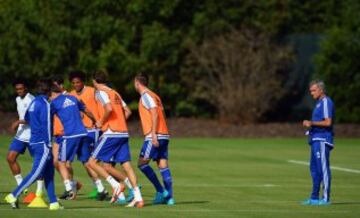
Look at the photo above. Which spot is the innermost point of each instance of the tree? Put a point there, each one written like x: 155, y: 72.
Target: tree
x: 239, y: 73
x: 338, y: 66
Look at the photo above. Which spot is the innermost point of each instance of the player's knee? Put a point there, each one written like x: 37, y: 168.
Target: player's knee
x: 68, y: 165
x: 87, y: 165
x: 91, y: 163
x: 107, y: 167
x: 162, y: 164
x: 142, y: 162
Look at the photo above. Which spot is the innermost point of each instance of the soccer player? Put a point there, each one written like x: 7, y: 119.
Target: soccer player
x: 68, y: 108
x: 113, y: 145
x: 86, y: 95
x: 156, y: 142
x: 58, y: 130
x: 321, y: 142
x: 22, y: 137
x: 38, y: 116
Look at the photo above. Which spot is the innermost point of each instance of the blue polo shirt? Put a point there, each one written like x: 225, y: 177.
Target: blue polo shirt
x: 324, y: 109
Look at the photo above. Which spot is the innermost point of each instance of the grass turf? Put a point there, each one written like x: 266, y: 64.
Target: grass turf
x: 218, y: 178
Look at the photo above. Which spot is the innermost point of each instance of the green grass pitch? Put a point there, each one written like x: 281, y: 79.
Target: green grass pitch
x: 218, y: 178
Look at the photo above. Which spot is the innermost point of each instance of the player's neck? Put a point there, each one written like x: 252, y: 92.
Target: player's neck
x: 103, y: 87
x: 81, y: 90
x: 54, y: 95
x: 23, y: 96
x: 322, y: 96
x: 143, y: 89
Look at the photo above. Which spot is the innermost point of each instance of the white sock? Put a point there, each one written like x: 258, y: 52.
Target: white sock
x: 137, y: 194
x: 99, y: 185
x: 39, y: 187
x: 68, y: 185
x: 128, y: 183
x: 18, y: 178
x: 112, y: 182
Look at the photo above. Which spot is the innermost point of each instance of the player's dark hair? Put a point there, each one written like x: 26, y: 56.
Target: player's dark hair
x: 55, y: 88
x: 44, y: 86
x: 77, y: 74
x: 20, y: 81
x: 58, y: 79
x: 142, y: 78
x: 101, y: 76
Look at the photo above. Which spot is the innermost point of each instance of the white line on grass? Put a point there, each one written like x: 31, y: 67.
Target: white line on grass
x: 332, y: 167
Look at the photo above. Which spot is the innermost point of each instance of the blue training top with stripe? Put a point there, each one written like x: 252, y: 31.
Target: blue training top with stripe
x: 39, y: 118
x: 324, y: 109
x: 68, y: 108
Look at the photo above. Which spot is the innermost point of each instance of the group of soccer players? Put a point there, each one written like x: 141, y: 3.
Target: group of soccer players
x: 90, y: 123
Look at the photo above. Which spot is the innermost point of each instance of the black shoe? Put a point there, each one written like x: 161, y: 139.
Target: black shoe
x: 102, y: 195
x: 67, y: 195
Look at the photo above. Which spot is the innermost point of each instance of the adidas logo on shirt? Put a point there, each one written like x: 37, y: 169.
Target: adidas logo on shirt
x: 67, y: 103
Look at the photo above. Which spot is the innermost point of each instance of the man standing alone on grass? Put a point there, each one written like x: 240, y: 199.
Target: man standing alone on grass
x: 321, y: 142
x: 156, y: 141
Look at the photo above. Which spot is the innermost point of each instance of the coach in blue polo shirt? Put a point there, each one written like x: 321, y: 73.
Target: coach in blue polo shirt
x: 321, y: 141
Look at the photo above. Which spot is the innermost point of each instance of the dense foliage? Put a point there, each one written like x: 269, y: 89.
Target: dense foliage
x: 45, y: 37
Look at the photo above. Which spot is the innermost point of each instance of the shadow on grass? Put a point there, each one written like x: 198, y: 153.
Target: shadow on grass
x: 179, y: 203
x: 345, y: 203
x: 85, y: 207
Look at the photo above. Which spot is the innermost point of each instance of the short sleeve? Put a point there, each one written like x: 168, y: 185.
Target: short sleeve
x: 328, y: 107
x: 103, y: 97
x: 148, y: 101
x: 123, y: 103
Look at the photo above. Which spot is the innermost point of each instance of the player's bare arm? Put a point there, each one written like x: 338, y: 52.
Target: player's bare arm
x: 90, y: 115
x: 14, y: 125
x: 127, y: 112
x: 108, y: 110
x: 154, y: 119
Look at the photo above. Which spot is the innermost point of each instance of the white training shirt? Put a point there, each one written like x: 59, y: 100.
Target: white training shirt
x: 104, y: 99
x: 23, y: 131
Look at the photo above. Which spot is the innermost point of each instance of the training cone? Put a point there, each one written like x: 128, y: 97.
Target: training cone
x: 38, y: 202
x: 29, y: 198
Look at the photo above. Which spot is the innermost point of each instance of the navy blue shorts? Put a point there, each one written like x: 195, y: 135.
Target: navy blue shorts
x: 112, y: 149
x: 74, y: 146
x: 91, y: 139
x: 149, y: 151
x: 19, y: 146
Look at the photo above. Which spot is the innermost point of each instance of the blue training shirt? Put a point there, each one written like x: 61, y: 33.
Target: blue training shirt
x: 38, y: 116
x: 324, y: 109
x: 68, y: 108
